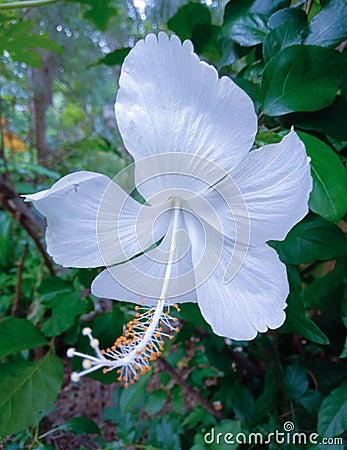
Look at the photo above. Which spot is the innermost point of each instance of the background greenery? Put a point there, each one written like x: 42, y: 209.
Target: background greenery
x: 59, y: 66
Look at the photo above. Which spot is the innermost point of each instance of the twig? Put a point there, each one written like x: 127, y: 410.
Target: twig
x: 165, y: 366
x: 18, y: 293
x: 26, y: 4
x: 308, y: 6
x: 12, y: 202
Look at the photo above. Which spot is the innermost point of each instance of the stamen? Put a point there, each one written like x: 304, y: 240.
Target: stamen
x: 130, y: 354
x: 142, y: 340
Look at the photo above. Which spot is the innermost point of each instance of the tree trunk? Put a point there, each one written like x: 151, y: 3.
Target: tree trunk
x: 40, y: 83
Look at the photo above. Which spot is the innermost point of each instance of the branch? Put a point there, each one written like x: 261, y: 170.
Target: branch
x: 12, y: 202
x: 18, y: 292
x: 165, y: 366
x: 26, y: 4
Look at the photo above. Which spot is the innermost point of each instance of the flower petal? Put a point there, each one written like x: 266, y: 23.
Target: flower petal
x: 91, y: 220
x: 252, y: 301
x: 170, y: 101
x: 275, y: 182
x: 265, y: 196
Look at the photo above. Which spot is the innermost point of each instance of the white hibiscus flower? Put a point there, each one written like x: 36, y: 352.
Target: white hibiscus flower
x: 211, y: 206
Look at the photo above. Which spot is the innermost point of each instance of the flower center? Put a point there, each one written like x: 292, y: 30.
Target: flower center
x: 143, y: 338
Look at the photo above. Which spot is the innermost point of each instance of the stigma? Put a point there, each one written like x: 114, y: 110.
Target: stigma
x: 142, y: 342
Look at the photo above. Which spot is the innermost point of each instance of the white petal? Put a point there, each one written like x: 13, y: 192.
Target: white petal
x: 252, y: 301
x: 91, y: 220
x: 144, y: 276
x: 275, y: 182
x: 170, y: 101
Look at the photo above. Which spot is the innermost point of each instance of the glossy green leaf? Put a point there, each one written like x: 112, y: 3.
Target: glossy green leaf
x: 329, y: 26
x: 329, y: 194
x: 155, y: 401
x: 246, y: 22
x: 332, y: 416
x: 297, y: 320
x: 250, y: 30
x: 193, y: 21
x: 188, y: 18
x: 319, y: 293
x: 17, y: 335
x: 33, y: 384
x: 287, y: 25
x: 312, y: 239
x: 311, y: 401
x: 81, y: 425
x: 115, y: 58
x: 301, y: 78
x: 295, y: 381
x: 294, y: 15
x: 65, y: 309
x: 330, y: 121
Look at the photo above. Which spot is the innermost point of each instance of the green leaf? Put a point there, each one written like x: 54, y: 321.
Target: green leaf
x: 81, y: 425
x: 301, y: 78
x: 330, y: 121
x: 297, y: 320
x: 295, y: 381
x: 285, y: 33
x: 311, y: 401
x: 329, y: 194
x: 34, y: 385
x: 344, y: 351
x: 17, y: 335
x: 228, y: 429
x: 65, y: 309
x: 242, y: 401
x: 312, y: 239
x: 18, y: 39
x: 6, y: 249
x: 328, y: 27
x: 188, y: 18
x: 99, y: 13
x: 115, y: 58
x: 164, y: 432
x: 296, y: 315
x: 193, y: 21
x: 332, y: 416
x: 250, y: 30
x: 155, y: 402
x: 246, y: 22
x: 293, y: 15
x: 250, y: 88
x: 197, y: 416
x: 319, y: 293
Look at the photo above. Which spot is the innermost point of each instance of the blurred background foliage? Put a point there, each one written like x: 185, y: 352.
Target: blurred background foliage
x: 59, y: 66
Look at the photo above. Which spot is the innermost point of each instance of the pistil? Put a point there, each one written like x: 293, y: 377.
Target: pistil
x: 143, y: 338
